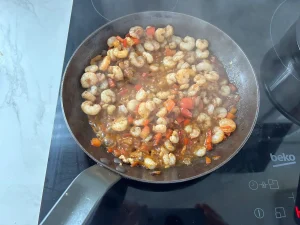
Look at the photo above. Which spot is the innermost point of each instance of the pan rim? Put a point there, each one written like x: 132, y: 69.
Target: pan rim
x: 124, y: 175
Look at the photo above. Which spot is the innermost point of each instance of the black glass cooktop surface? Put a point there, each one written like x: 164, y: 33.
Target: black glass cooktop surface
x: 258, y: 186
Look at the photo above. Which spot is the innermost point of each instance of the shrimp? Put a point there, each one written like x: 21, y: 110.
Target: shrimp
x: 182, y: 65
x: 171, y: 78
x: 190, y: 57
x: 157, y: 101
x: 168, y: 62
x: 141, y: 95
x: 161, y: 120
x: 123, y: 109
x: 184, y: 86
x: 220, y: 112
x: 223, y: 82
x: 140, y: 48
x: 212, y: 76
x: 149, y: 163
x: 121, y: 54
x: 108, y: 96
x: 103, y: 85
x: 90, y: 108
x: 204, y: 66
x: 225, y: 90
x: 195, y: 132
x: 88, y: 96
x: 169, y: 31
x: 163, y: 94
x: 160, y: 128
x: 110, y: 53
x: 162, y: 112
x: 178, y: 56
x: 201, y: 44
x: 187, y: 44
x: 174, y: 137
x: 135, y: 131
x: 218, y: 135
x: 150, y: 105
x: 183, y: 75
x: 110, y: 41
x: 160, y: 34
x: 227, y: 125
x: 163, y: 44
x: 139, y: 122
x: 105, y: 63
x: 151, y: 45
x: 204, y: 120
x: 148, y: 57
x: 136, y: 32
x: 176, y: 39
x: 143, y: 111
x: 137, y: 61
x: 168, y: 145
x: 200, y: 80
x: 88, y: 79
x: 188, y: 129
x: 200, y: 151
x: 169, y: 160
x: 111, y: 109
x: 193, y: 90
x: 210, y: 109
x: 154, y: 67
x: 120, y: 124
x: 91, y: 68
x: 172, y: 45
x: 132, y: 104
x: 217, y: 101
x: 117, y: 73
x: 94, y: 90
x: 201, y: 54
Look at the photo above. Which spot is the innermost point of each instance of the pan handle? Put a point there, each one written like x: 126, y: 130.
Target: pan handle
x: 81, y: 198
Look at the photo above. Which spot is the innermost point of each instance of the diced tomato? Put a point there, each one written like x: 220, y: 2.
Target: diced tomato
x: 150, y: 31
x: 207, y: 160
x: 111, y: 83
x: 130, y: 119
x: 110, y: 150
x: 186, y: 113
x: 169, y: 104
x: 180, y: 119
x: 187, y: 103
x: 123, y: 91
x: 134, y: 164
x: 232, y: 87
x: 138, y: 87
x: 117, y: 152
x: 169, y: 133
x: 124, y: 43
x: 136, y: 40
x: 169, y: 52
x: 186, y: 122
x: 230, y: 115
x: 186, y: 141
x: 145, y: 74
x: 95, y: 142
x: 233, y: 110
x: 145, y: 132
x: 208, y: 140
x: 157, y: 138
x: 146, y: 122
x: 126, y: 135
x: 120, y: 39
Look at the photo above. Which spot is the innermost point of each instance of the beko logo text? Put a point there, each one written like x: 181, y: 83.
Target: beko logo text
x: 286, y: 159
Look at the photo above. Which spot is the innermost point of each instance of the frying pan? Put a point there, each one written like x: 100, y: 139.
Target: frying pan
x: 86, y: 191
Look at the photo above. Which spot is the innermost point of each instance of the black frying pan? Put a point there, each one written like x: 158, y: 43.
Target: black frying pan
x: 86, y: 190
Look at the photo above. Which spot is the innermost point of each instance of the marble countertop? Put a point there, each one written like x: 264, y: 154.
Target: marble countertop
x: 33, y: 35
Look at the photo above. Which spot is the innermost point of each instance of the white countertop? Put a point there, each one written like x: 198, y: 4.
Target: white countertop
x: 33, y: 35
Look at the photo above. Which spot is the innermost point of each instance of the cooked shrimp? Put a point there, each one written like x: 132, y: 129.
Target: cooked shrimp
x: 212, y: 76
x: 121, y: 54
x: 94, y: 90
x: 204, y: 120
x: 200, y: 80
x: 195, y: 132
x: 210, y: 109
x: 204, y: 66
x: 103, y: 85
x: 178, y: 56
x: 91, y: 68
x: 110, y: 41
x: 150, y: 105
x: 111, y: 55
x: 120, y: 124
x: 217, y: 135
x: 176, y: 39
x: 148, y: 57
x: 183, y: 75
x: 139, y: 122
x: 171, y: 78
x: 143, y: 111
x: 160, y: 34
x: 141, y: 95
x: 88, y: 96
x: 217, y: 101
x: 220, y: 112
x: 169, y: 160
x: 225, y: 90
x: 136, y: 32
x: 201, y: 44
x: 137, y: 61
x: 135, y: 131
x: 169, y: 31
x: 154, y: 67
x: 157, y: 101
x: 174, y: 137
x: 168, y: 62
x: 132, y: 104
x: 111, y: 109
x: 105, y: 63
x: 90, y: 108
x: 190, y: 57
x: 193, y: 90
x: 201, y: 54
x: 108, y: 96
x: 160, y: 128
x: 161, y: 120
x: 227, y: 125
x: 151, y: 45
x: 172, y: 45
x: 200, y: 151
x: 187, y: 44
x: 163, y: 94
x: 140, y: 48
x: 168, y: 145
x: 88, y: 79
x: 184, y: 86
x: 162, y: 112
x: 115, y: 73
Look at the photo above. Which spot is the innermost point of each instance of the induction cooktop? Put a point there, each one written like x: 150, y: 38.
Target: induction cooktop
x: 258, y: 186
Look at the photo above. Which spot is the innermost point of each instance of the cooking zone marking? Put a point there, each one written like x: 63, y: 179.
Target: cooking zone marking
x: 285, y: 159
